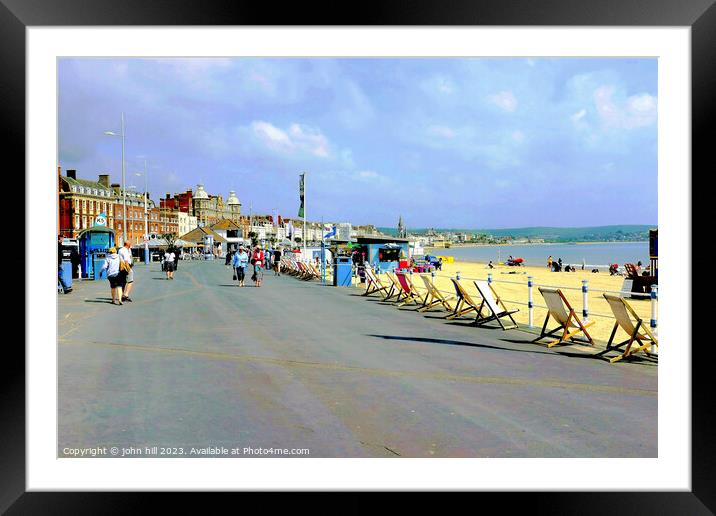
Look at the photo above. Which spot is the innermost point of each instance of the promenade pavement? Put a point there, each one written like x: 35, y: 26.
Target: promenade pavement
x: 198, y: 362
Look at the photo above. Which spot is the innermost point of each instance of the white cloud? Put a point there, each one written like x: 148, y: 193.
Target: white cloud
x: 271, y: 135
x: 441, y: 131
x: 505, y: 100
x: 635, y: 111
x: 310, y: 139
x: 579, y: 115
x: 297, y: 139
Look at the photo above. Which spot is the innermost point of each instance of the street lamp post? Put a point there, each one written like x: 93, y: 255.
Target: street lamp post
x: 146, y: 214
x: 124, y: 190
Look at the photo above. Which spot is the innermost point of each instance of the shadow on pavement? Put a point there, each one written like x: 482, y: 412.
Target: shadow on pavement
x: 461, y: 343
x: 100, y: 300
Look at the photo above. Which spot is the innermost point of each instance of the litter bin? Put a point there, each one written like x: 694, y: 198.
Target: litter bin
x: 67, y: 273
x: 342, y: 271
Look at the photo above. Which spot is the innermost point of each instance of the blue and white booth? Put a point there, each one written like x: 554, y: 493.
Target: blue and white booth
x: 95, y: 243
x: 383, y: 253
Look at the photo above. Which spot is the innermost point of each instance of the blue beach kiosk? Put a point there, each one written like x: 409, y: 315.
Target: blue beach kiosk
x: 95, y: 243
x: 382, y: 252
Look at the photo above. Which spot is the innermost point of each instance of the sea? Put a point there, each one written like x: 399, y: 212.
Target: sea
x: 597, y: 255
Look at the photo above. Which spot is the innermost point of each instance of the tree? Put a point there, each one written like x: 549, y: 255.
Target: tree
x: 169, y: 238
x: 297, y: 240
x: 254, y: 236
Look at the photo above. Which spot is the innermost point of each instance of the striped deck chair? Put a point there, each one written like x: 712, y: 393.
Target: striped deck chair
x: 494, y: 304
x: 396, y: 288
x: 310, y: 272
x: 373, y: 284
x: 623, y: 314
x: 315, y: 273
x: 433, y: 296
x: 464, y: 304
x: 561, y: 311
x: 408, y: 291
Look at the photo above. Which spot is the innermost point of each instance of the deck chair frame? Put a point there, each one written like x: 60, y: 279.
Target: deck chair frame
x: 433, y: 296
x: 408, y: 291
x: 571, y: 326
x: 631, y: 329
x: 373, y: 284
x: 463, y: 298
x: 498, y: 310
x: 395, y: 288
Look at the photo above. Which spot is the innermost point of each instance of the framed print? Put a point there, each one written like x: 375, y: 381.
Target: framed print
x: 424, y: 239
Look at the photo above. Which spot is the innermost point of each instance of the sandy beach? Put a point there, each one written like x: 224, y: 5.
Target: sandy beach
x: 511, y: 284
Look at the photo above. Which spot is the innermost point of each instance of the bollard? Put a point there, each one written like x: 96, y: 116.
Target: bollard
x: 530, y: 304
x: 585, y: 309
x: 652, y: 323
x: 457, y: 275
x: 432, y: 275
x: 489, y: 278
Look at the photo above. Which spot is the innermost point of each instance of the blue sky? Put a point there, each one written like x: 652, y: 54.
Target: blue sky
x: 481, y: 143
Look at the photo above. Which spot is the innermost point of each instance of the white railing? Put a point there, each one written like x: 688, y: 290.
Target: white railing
x: 531, y: 305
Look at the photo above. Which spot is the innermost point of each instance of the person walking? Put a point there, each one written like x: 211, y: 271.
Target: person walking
x: 239, y: 262
x: 170, y: 263
x: 277, y: 261
x: 75, y: 260
x: 60, y: 273
x: 125, y: 255
x: 116, y: 277
x: 257, y: 260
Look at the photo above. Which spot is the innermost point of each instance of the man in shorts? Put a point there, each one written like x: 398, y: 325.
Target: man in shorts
x: 125, y: 254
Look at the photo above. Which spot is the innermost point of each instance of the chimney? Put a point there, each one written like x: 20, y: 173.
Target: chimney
x: 72, y: 174
x: 104, y: 180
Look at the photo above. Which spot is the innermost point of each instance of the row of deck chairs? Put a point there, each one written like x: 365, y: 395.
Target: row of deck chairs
x: 301, y: 270
x: 490, y: 307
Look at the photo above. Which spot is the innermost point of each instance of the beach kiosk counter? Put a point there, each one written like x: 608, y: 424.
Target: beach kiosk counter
x: 383, y: 252
x: 95, y: 243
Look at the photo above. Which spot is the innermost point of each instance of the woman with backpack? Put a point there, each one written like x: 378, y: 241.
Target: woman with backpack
x: 116, y: 277
x: 257, y: 261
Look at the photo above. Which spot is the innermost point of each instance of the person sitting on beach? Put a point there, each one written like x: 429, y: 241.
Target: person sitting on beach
x: 549, y: 263
x: 490, y: 265
x: 614, y: 269
x: 595, y: 271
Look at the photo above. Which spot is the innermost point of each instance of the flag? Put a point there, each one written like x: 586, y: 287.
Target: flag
x: 289, y: 230
x: 331, y: 233
x: 300, y: 190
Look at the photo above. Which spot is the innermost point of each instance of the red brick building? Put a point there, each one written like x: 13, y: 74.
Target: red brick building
x: 81, y: 200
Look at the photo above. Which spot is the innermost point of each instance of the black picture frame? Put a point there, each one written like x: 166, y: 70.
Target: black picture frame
x: 16, y: 15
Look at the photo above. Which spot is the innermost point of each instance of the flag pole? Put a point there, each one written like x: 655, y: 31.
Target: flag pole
x: 305, y: 234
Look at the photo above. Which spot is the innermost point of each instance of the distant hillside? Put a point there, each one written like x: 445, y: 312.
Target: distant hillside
x: 597, y: 233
